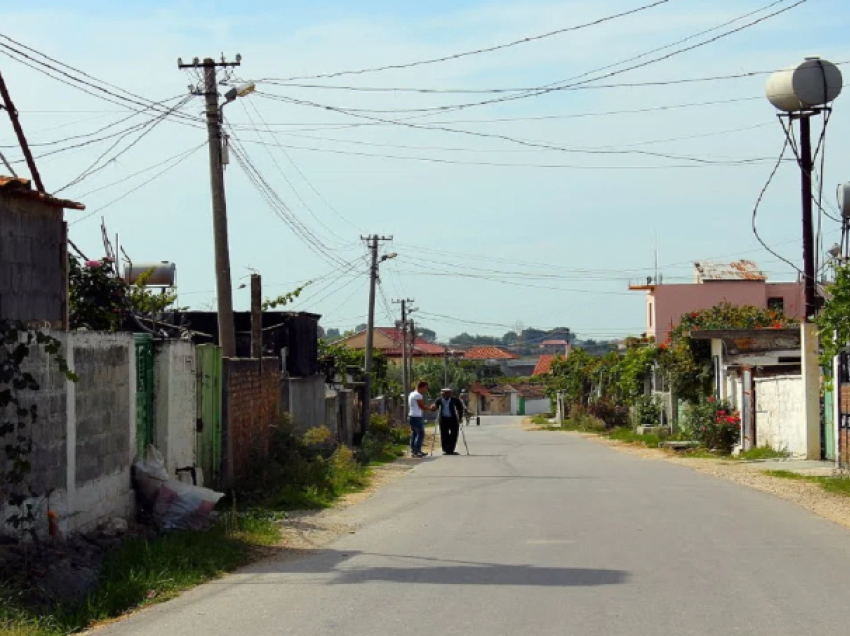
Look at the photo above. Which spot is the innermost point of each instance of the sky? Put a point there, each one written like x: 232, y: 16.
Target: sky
x: 533, y: 212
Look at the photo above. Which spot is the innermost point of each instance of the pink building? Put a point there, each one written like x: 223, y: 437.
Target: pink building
x: 739, y: 283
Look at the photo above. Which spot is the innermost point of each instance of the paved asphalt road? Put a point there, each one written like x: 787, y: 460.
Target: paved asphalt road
x: 543, y: 534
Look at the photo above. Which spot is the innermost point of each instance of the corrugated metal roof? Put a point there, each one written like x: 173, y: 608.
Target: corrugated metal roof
x: 22, y: 189
x: 736, y: 270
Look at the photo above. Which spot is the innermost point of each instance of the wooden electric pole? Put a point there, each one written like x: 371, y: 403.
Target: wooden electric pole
x: 19, y: 133
x: 256, y: 317
x: 372, y: 242
x: 226, y: 328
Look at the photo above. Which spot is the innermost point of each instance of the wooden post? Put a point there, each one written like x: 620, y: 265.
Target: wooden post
x: 256, y: 317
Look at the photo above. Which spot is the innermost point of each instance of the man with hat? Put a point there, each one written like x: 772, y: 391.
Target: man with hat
x: 449, y: 414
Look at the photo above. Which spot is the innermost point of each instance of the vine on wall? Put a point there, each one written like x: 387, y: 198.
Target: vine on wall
x: 18, y: 415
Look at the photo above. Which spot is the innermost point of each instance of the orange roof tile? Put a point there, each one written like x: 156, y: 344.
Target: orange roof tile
x: 488, y: 353
x: 544, y: 365
x: 21, y: 188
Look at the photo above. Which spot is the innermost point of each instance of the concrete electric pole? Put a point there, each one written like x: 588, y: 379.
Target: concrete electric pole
x: 372, y: 242
x: 224, y: 290
x: 405, y: 372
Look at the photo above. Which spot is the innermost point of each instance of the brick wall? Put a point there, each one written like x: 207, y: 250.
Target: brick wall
x: 251, y: 406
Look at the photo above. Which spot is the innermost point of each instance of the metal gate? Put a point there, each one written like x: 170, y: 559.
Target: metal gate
x: 208, y: 441
x: 144, y: 392
x: 843, y: 388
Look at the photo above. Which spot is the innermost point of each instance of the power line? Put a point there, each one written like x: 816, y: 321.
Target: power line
x: 181, y: 159
x: 506, y: 45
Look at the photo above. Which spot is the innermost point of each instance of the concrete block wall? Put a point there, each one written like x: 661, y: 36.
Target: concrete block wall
x: 251, y: 405
x: 83, y: 441
x: 175, y: 404
x: 307, y: 402
x: 781, y: 414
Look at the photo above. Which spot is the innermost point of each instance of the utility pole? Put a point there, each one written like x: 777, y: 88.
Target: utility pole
x: 405, y: 372
x: 256, y: 317
x: 372, y: 242
x: 226, y: 329
x: 808, y: 230
x: 19, y: 132
x: 412, y: 345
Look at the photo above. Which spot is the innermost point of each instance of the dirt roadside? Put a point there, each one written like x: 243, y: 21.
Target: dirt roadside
x: 811, y: 496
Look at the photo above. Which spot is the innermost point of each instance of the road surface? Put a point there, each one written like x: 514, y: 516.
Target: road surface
x: 542, y: 533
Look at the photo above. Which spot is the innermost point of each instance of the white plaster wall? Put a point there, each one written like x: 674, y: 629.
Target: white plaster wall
x: 514, y: 403
x: 781, y: 414
x: 175, y: 405
x: 537, y: 407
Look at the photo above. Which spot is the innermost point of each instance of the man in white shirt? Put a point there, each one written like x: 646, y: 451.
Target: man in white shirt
x: 417, y: 407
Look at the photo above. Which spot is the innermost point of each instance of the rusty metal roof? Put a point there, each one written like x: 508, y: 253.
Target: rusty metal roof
x: 22, y: 189
x: 736, y: 270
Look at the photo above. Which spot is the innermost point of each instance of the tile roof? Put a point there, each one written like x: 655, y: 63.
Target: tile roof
x: 544, y: 365
x: 488, y: 353
x: 22, y: 189
x: 561, y: 343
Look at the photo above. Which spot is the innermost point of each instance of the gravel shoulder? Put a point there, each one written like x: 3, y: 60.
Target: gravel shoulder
x: 811, y: 496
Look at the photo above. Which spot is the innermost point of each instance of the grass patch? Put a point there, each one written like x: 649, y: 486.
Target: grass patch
x: 630, y: 436
x: 762, y: 452
x: 836, y: 485
x: 142, y: 571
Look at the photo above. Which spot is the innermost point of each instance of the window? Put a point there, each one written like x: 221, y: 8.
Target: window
x: 649, y: 309
x: 776, y: 304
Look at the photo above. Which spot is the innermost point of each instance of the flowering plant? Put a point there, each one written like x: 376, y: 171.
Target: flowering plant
x: 714, y: 423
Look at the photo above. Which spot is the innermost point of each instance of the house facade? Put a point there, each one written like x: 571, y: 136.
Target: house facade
x: 738, y: 283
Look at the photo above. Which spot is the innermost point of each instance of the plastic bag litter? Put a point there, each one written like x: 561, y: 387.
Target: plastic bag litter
x: 150, y: 475
x: 182, y: 506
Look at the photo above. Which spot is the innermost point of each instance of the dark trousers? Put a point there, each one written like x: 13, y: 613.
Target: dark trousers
x: 449, y: 429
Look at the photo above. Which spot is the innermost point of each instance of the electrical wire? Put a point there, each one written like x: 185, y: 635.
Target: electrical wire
x: 480, y: 51
x: 521, y: 142
x: 168, y: 167
x: 292, y: 187
x: 96, y: 166
x: 279, y: 207
x: 564, y: 85
x: 758, y: 204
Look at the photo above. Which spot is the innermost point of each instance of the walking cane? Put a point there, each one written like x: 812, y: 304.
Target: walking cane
x: 463, y: 435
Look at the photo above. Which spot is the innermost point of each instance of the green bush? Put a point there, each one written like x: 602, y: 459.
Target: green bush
x: 384, y: 441
x: 714, y: 423
x: 612, y: 414
x: 648, y: 410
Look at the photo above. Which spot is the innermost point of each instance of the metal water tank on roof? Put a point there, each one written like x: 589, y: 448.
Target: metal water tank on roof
x: 812, y: 83
x: 162, y: 274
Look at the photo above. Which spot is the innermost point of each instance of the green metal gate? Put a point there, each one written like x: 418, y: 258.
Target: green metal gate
x: 208, y: 441
x: 144, y: 392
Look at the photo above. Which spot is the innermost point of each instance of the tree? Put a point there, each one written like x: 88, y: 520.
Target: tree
x: 434, y: 372
x: 834, y: 320
x: 101, y: 301
x: 429, y: 335
x: 332, y: 333
x: 361, y: 327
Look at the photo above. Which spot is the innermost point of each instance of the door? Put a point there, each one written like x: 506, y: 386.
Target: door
x: 843, y: 387
x: 208, y: 439
x: 521, y: 408
x: 144, y: 392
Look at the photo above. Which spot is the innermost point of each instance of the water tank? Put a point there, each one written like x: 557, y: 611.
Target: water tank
x: 162, y: 274
x: 814, y: 82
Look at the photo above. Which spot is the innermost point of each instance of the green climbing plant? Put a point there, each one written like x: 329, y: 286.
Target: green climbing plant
x: 19, y: 413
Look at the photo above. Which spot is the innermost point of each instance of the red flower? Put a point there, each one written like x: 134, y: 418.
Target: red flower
x: 721, y: 413
x: 662, y: 346
x: 776, y: 325
x: 731, y: 420
x: 694, y: 314
x: 711, y: 399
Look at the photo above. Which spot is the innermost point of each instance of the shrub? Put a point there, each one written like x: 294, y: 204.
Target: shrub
x: 716, y: 424
x: 582, y: 420
x: 648, y: 410
x: 612, y: 414
x: 319, y: 436
x: 383, y: 441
